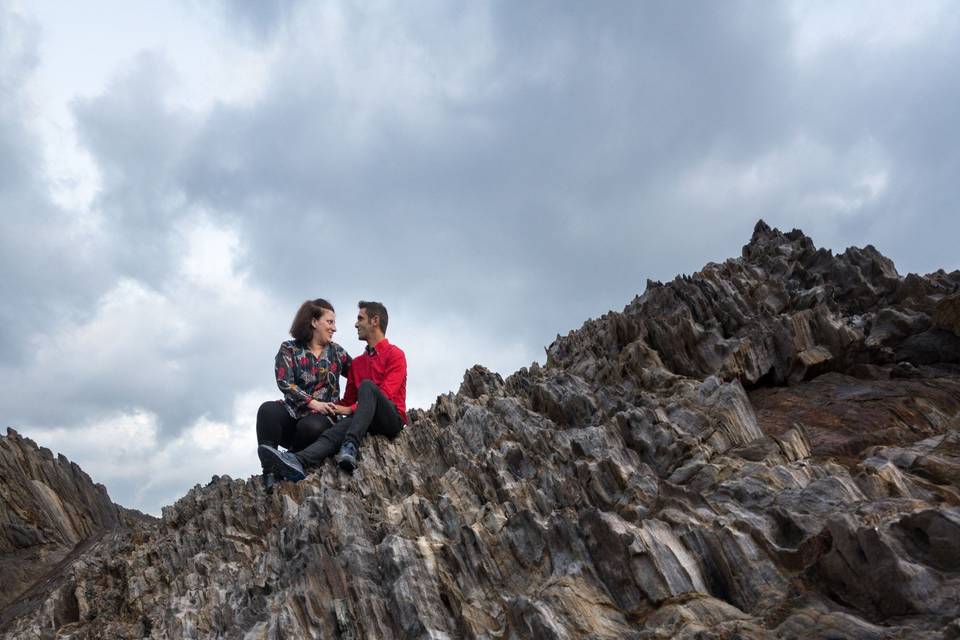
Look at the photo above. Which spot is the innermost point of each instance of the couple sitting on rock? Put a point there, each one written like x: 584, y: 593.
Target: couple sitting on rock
x: 312, y: 422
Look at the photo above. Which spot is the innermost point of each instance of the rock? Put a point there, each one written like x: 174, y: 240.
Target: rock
x: 50, y: 511
x: 930, y: 347
x: 891, y: 326
x: 479, y: 381
x: 736, y: 454
x: 946, y: 314
x: 843, y: 415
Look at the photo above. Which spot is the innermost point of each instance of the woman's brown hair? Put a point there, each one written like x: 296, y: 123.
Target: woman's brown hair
x: 301, y: 329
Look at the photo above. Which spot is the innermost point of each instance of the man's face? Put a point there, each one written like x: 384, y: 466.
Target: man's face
x: 364, y: 324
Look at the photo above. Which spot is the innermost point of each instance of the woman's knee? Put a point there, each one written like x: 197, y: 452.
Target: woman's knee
x: 270, y: 422
x: 314, y: 426
x: 268, y: 409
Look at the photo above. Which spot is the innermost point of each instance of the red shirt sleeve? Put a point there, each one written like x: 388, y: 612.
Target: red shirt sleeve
x: 350, y: 395
x: 394, y: 375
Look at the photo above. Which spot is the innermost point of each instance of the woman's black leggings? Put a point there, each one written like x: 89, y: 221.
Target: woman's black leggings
x: 276, y: 428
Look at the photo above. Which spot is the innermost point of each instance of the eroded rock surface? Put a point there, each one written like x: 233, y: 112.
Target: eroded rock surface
x: 747, y: 452
x: 50, y: 512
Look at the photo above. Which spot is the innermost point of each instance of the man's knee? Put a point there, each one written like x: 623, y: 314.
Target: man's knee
x: 368, y: 386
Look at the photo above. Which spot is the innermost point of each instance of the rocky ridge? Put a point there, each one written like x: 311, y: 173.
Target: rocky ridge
x: 768, y: 448
x: 51, y: 512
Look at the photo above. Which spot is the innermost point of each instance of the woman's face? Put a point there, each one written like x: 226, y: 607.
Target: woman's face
x: 324, y: 327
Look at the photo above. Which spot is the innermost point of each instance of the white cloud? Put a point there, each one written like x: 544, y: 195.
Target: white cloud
x: 440, y: 347
x: 211, y: 257
x: 140, y: 470
x: 822, y: 25
x: 81, y: 53
x: 808, y: 178
x: 148, y: 348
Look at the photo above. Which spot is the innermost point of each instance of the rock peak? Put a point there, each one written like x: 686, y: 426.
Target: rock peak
x: 761, y: 228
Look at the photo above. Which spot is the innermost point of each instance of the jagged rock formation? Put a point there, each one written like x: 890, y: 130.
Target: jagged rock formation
x: 51, y: 512
x: 769, y: 448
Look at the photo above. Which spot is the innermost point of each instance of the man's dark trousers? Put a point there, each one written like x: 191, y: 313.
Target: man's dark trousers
x: 375, y: 414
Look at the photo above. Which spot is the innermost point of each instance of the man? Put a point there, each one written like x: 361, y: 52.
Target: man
x: 376, y: 394
x: 374, y: 402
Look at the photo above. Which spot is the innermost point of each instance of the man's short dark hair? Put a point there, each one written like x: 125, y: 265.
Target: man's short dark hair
x: 375, y: 310
x: 301, y: 329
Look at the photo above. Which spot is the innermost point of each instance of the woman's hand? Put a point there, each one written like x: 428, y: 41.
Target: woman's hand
x: 326, y: 408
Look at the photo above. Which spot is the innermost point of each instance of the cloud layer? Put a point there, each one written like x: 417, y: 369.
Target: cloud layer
x: 494, y: 172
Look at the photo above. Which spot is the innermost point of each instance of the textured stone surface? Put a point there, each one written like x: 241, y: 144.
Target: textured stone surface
x: 740, y: 453
x: 946, y: 315
x: 50, y: 511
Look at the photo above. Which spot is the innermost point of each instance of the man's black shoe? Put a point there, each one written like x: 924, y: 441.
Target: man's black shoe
x: 281, y: 464
x: 347, y: 458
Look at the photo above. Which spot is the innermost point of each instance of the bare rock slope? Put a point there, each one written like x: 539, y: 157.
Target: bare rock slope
x: 769, y: 448
x: 50, y: 512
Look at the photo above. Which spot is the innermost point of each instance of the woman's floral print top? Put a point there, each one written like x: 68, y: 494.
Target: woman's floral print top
x: 303, y: 377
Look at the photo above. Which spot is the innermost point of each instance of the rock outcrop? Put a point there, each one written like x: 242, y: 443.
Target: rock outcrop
x: 769, y: 448
x: 50, y: 512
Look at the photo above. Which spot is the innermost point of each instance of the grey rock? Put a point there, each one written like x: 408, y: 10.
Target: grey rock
x: 736, y: 454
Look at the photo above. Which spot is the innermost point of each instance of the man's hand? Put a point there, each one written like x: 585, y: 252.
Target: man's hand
x: 342, y: 410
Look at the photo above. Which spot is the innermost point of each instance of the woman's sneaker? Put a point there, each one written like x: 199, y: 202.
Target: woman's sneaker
x: 281, y: 464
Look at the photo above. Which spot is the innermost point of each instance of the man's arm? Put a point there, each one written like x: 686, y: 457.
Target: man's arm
x: 394, y: 375
x: 349, y: 402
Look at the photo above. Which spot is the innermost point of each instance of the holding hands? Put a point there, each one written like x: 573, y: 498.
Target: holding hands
x: 329, y: 408
x: 342, y: 410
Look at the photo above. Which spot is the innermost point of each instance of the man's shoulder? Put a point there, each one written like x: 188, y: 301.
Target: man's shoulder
x: 392, y: 348
x: 397, y: 353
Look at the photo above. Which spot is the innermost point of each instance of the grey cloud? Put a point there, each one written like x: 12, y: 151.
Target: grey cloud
x: 58, y: 264
x: 138, y: 141
x: 901, y: 101
x: 259, y: 19
x: 47, y: 260
x: 541, y: 184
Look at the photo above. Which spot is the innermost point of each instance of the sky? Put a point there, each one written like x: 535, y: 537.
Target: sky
x: 177, y: 177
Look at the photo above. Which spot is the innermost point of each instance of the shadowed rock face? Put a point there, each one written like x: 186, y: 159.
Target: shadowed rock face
x: 752, y: 451
x: 50, y: 511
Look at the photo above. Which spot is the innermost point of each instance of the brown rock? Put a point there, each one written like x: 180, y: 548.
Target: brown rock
x: 50, y: 512
x: 946, y: 315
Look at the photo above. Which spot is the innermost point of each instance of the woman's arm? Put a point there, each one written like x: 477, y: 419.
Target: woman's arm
x: 284, y: 368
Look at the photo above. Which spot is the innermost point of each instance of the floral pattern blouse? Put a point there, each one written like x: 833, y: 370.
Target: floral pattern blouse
x: 302, y: 376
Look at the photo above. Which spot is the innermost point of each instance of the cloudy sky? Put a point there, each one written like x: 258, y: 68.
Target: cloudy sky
x: 176, y: 177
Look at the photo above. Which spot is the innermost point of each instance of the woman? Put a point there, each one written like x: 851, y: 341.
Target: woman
x: 308, y: 370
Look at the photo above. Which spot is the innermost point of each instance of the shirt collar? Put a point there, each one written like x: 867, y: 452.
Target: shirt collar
x: 372, y: 351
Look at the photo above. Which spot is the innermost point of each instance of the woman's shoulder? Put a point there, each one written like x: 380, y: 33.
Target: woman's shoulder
x: 289, y: 345
x: 340, y: 351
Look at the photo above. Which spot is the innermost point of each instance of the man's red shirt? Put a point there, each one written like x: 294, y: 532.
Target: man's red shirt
x: 387, y: 367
